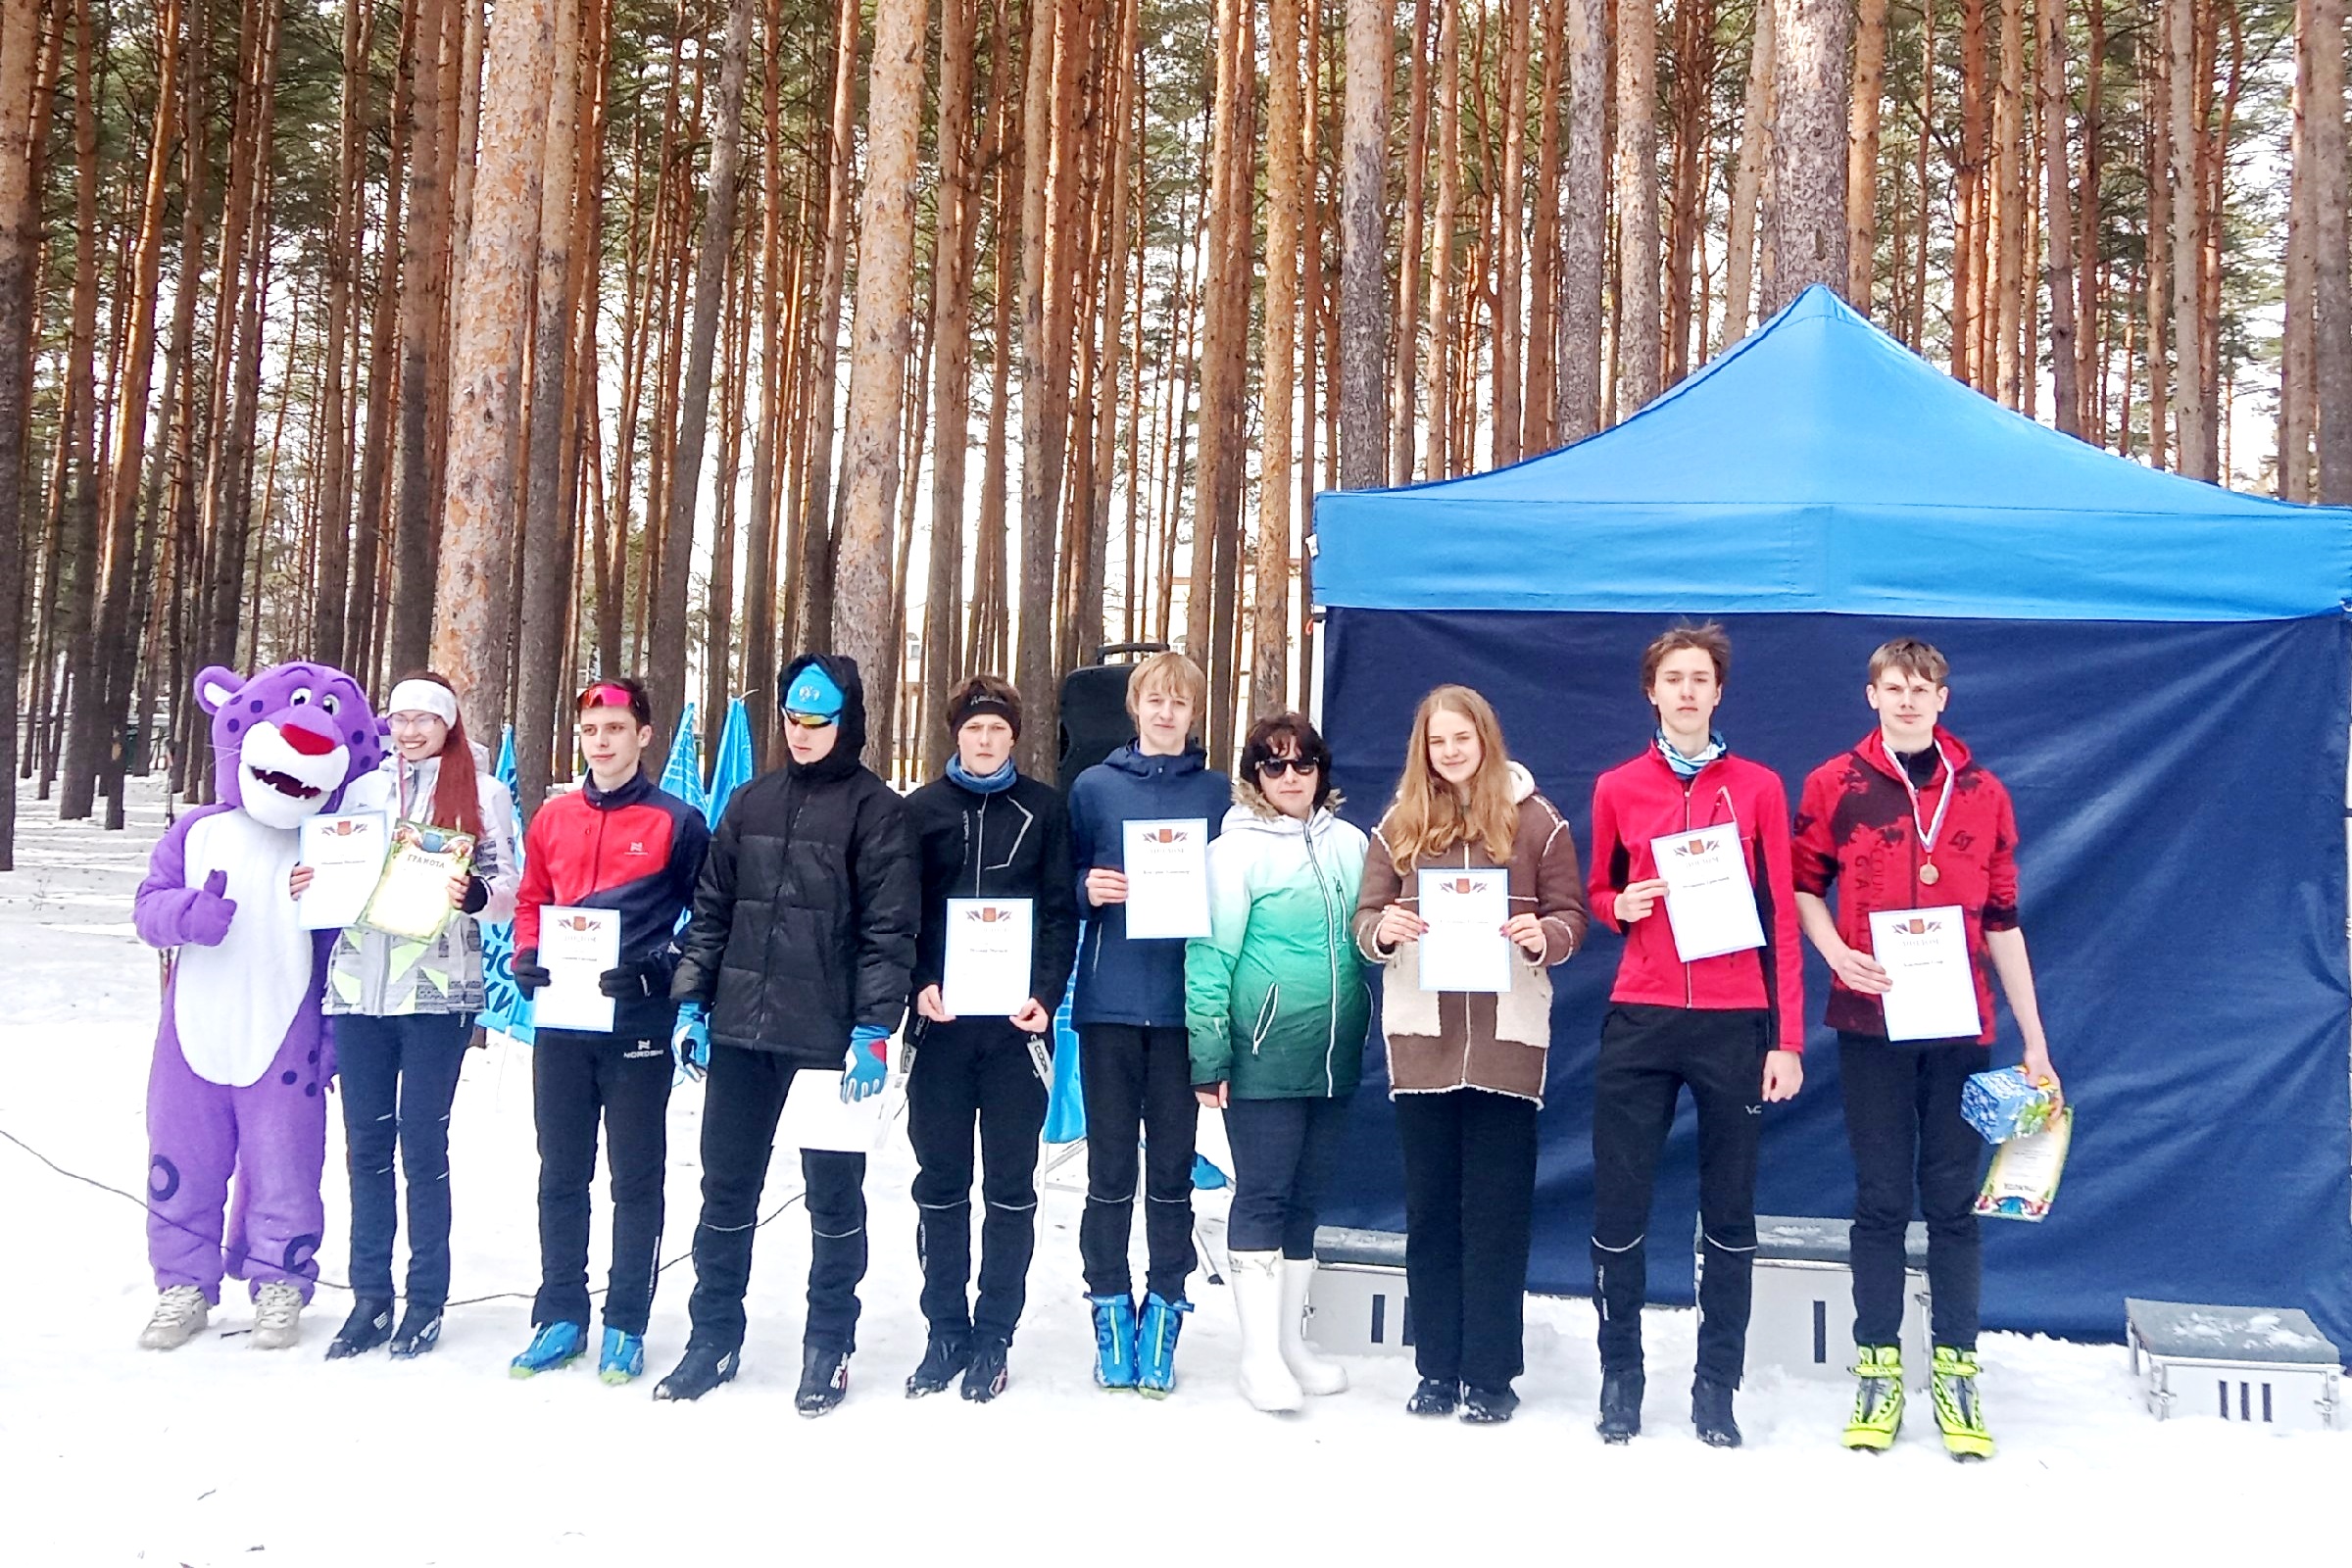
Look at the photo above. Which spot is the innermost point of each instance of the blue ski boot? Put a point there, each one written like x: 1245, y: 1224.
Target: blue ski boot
x: 1114, y: 1341
x: 1155, y: 1345
x: 622, y: 1359
x: 555, y: 1345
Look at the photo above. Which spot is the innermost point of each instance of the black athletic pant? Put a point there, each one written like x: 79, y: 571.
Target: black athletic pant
x: 400, y: 1078
x: 965, y: 1072
x: 1902, y: 1116
x: 1282, y: 1157
x: 1648, y: 1055
x: 624, y: 1080
x: 741, y: 1099
x: 1469, y: 1198
x: 1138, y: 1085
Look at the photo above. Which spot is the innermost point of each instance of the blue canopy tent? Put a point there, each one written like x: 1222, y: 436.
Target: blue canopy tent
x: 2160, y: 669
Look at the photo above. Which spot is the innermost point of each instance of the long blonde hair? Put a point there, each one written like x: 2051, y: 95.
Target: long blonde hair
x: 1427, y: 817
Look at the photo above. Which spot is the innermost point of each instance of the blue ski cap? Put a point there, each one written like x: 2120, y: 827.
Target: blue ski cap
x: 815, y: 693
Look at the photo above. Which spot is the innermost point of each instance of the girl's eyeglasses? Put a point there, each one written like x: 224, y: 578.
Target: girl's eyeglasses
x: 1276, y: 766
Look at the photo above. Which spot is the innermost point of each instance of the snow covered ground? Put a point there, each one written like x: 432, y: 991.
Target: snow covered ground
x: 213, y: 1453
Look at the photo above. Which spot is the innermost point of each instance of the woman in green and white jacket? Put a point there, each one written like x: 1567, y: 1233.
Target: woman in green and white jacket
x: 1276, y: 1006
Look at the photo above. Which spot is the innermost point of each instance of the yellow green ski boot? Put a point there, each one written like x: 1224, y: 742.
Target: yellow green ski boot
x: 1877, y: 1399
x: 1957, y: 1412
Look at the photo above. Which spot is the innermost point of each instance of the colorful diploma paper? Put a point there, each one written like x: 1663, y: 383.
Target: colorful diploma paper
x: 576, y: 946
x: 1168, y: 879
x: 1925, y: 953
x: 2023, y: 1182
x: 1464, y: 948
x: 987, y: 970
x: 346, y: 856
x: 412, y: 897
x: 1711, y: 902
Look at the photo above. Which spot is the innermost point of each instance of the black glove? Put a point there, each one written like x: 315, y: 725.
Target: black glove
x: 634, y: 980
x: 529, y: 976
x: 477, y: 896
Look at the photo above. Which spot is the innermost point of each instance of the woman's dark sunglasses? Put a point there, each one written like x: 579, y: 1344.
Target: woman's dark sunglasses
x: 1276, y: 766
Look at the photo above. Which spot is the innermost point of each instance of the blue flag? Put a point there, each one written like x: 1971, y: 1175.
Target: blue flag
x: 505, y: 1009
x: 682, y: 777
x: 734, y: 767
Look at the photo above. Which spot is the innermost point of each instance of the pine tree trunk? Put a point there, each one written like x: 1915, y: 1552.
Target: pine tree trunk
x: 77, y: 558
x: 1862, y: 153
x: 23, y: 128
x: 1636, y: 203
x: 1404, y: 374
x: 1539, y: 414
x: 666, y: 668
x: 2051, y: 48
x: 2197, y: 457
x: 423, y: 253
x: 1808, y: 147
x: 954, y: 253
x: 1584, y: 201
x: 1755, y: 155
x: 2010, y: 201
x: 1509, y: 337
x: 879, y: 335
x: 812, y: 583
x: 2332, y: 286
x: 1269, y: 646
x: 1223, y: 318
x: 2089, y: 378
x: 1363, y: 263
x: 486, y: 391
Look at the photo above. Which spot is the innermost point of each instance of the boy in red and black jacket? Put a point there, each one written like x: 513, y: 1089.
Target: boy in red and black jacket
x: 1728, y: 1027
x: 618, y: 841
x: 1908, y: 819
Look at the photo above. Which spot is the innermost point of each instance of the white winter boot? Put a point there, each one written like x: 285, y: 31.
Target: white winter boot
x: 179, y: 1314
x: 1315, y: 1375
x: 276, y: 1317
x: 1257, y: 1291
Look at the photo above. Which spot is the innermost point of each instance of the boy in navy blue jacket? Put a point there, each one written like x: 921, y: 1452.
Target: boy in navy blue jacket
x: 1129, y: 1013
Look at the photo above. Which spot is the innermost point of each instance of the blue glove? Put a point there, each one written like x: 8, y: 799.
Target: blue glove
x: 867, y: 1068
x: 690, y: 1042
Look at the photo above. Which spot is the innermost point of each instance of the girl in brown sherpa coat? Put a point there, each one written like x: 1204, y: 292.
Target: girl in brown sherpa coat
x: 1466, y: 1068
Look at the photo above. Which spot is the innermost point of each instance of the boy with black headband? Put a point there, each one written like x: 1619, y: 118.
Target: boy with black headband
x: 618, y: 841
x: 1909, y: 820
x: 801, y: 950
x: 983, y: 831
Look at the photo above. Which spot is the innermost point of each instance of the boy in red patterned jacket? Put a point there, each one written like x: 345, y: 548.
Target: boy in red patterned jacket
x: 1729, y: 1026
x: 1908, y: 819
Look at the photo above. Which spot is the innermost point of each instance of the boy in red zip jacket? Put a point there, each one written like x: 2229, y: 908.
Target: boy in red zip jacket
x: 1728, y: 1027
x: 1908, y: 819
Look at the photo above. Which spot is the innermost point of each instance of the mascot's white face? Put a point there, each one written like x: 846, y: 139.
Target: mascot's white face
x: 289, y: 739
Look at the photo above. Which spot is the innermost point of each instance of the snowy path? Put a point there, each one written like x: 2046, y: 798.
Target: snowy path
x: 213, y: 1453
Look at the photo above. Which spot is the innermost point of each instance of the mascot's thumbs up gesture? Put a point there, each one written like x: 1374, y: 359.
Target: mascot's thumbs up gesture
x: 241, y: 1061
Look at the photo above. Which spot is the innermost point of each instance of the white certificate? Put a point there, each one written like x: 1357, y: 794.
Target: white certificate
x: 1464, y: 948
x: 816, y: 1116
x: 1710, y: 904
x: 346, y: 858
x: 987, y: 969
x: 576, y: 947
x: 1168, y: 879
x: 1925, y: 953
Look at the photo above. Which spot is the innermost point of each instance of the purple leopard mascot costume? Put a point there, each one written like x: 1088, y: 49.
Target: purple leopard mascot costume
x: 241, y: 1059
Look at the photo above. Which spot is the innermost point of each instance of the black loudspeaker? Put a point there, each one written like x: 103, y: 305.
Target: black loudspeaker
x: 1094, y: 709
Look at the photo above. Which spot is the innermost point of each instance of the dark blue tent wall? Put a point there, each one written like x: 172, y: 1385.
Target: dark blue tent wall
x: 2161, y: 672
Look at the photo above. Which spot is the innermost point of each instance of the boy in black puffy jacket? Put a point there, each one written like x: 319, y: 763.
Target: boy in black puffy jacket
x: 801, y: 950
x: 985, y: 831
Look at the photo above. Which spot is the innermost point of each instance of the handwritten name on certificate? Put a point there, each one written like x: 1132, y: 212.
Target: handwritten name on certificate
x: 1464, y: 948
x: 1711, y: 902
x: 576, y: 947
x: 1925, y: 953
x: 346, y: 858
x: 987, y: 969
x: 1168, y: 879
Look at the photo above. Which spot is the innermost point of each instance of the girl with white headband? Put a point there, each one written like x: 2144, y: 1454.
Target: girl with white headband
x: 404, y: 1014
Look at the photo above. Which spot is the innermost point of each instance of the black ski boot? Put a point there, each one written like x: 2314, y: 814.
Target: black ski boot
x: 368, y: 1326
x: 1619, y: 1406
x: 986, y: 1376
x: 1435, y: 1397
x: 944, y: 1360
x: 1488, y: 1407
x: 1711, y: 1413
x: 704, y: 1368
x: 824, y: 1380
x: 418, y: 1332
